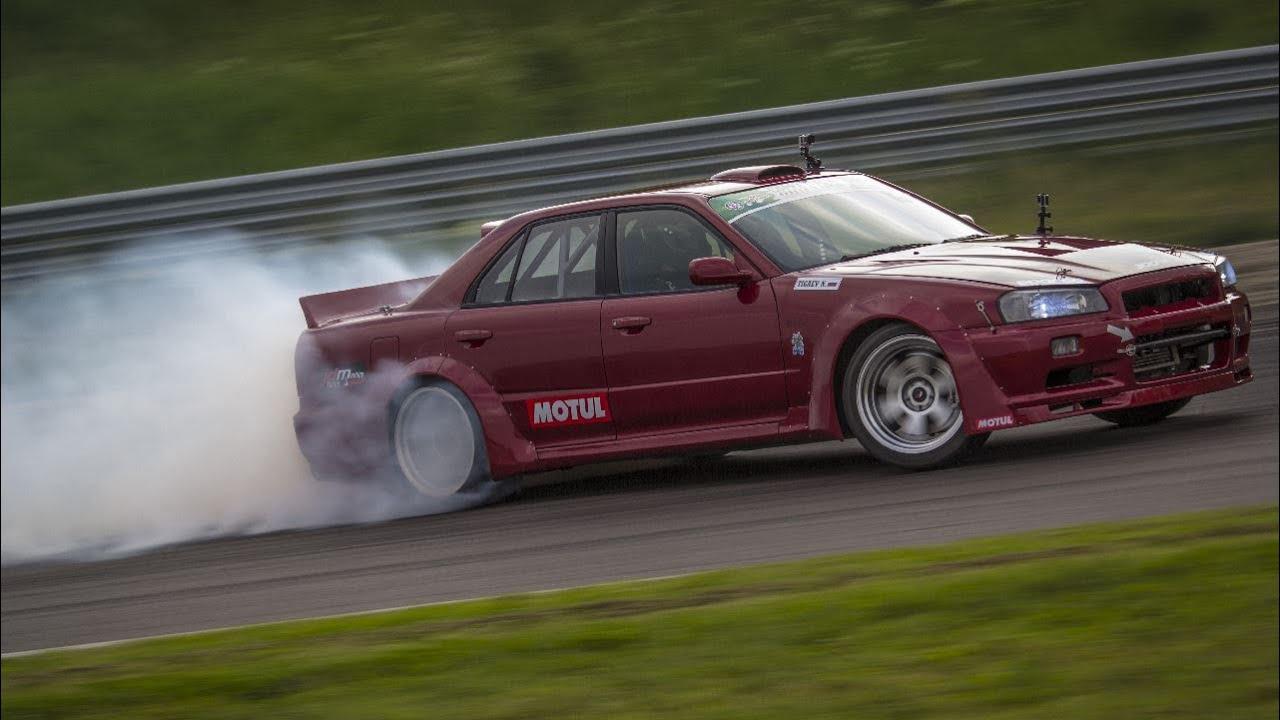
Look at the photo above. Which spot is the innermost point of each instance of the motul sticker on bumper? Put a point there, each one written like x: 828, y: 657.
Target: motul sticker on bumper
x: 569, y: 410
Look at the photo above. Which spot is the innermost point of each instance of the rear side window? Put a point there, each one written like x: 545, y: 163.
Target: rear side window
x: 655, y: 247
x: 552, y: 261
x: 494, y: 285
x: 559, y: 261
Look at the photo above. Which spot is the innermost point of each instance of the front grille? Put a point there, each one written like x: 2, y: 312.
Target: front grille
x: 1157, y: 296
x: 1174, y: 352
x: 1153, y: 360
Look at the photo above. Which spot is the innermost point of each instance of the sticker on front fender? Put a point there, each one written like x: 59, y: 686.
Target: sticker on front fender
x: 817, y: 283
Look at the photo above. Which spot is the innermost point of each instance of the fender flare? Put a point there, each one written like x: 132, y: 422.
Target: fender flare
x: 918, y: 311
x: 508, y: 450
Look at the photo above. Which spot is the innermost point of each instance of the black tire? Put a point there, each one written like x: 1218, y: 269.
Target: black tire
x: 437, y: 443
x: 898, y: 382
x: 1143, y: 415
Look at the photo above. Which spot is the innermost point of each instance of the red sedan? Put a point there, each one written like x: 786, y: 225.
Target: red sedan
x: 767, y: 305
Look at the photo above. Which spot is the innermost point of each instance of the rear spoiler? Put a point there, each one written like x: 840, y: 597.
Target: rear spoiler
x: 322, y: 309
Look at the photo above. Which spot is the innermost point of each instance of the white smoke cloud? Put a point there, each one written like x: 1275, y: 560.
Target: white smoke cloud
x: 157, y: 408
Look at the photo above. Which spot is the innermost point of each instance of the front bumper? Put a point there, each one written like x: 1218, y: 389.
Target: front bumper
x: 1009, y: 377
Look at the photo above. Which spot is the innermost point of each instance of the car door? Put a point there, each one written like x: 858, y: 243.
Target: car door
x: 679, y: 356
x: 531, y: 326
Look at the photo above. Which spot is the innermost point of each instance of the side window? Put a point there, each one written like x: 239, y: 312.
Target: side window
x: 559, y: 260
x: 656, y: 246
x: 493, y: 286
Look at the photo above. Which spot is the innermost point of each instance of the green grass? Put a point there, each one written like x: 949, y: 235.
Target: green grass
x: 1171, y: 617
x: 106, y: 96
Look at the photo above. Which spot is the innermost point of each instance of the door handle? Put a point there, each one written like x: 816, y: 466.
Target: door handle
x: 632, y: 324
x: 472, y: 338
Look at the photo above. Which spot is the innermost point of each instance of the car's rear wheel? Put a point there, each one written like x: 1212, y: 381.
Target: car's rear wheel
x: 1144, y: 415
x: 437, y: 439
x: 901, y: 401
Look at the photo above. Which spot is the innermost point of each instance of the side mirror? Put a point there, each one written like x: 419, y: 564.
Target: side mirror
x: 717, y: 271
x: 967, y: 218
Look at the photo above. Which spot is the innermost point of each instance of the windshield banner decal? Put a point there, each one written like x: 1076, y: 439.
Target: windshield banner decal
x: 735, y: 206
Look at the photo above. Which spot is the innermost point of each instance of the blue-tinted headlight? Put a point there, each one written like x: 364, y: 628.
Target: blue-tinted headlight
x: 1226, y: 271
x: 1045, y: 303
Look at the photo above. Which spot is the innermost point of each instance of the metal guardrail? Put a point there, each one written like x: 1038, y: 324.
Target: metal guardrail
x: 440, y: 189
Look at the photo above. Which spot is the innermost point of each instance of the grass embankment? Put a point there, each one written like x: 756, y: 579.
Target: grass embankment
x: 108, y: 96
x: 1172, y: 617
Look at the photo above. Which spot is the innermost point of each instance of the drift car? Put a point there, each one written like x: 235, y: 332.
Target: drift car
x: 772, y: 304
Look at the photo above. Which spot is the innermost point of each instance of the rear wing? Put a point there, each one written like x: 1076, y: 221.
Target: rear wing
x: 322, y: 309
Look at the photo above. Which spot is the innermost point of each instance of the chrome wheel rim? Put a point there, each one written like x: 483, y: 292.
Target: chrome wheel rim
x: 434, y: 443
x: 907, y: 397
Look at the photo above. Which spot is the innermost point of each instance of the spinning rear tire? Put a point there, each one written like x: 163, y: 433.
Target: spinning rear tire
x: 437, y: 440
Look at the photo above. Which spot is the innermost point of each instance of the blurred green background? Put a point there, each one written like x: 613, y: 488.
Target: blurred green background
x: 108, y: 96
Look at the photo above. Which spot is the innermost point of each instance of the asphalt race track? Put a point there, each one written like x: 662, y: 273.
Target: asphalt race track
x: 660, y: 518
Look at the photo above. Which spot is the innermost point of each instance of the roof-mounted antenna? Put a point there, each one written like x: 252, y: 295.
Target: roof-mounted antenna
x: 1043, y: 230
x: 811, y: 163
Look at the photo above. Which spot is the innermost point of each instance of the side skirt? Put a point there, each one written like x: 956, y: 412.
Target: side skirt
x: 754, y: 434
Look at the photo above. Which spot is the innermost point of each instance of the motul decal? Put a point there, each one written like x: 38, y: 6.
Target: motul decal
x: 995, y: 422
x: 572, y: 410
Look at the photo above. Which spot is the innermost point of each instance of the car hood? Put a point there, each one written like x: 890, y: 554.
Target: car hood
x: 1023, y: 261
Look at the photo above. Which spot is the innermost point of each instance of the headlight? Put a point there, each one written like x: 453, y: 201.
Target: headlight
x: 1226, y: 271
x: 1023, y: 305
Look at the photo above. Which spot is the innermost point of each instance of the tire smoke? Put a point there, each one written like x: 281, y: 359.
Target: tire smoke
x: 157, y: 408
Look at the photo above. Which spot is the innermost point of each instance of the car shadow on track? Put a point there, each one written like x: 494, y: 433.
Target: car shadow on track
x: 846, y: 462
x: 745, y: 468
x: 1102, y: 438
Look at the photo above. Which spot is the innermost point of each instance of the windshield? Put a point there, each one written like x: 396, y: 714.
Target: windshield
x: 820, y: 221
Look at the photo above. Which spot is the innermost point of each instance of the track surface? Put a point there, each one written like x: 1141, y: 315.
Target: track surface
x: 653, y: 519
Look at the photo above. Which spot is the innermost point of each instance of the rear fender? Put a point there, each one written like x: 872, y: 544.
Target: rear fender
x: 509, y: 451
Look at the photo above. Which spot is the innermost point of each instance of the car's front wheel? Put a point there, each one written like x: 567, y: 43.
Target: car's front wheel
x: 900, y: 399
x: 437, y: 440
